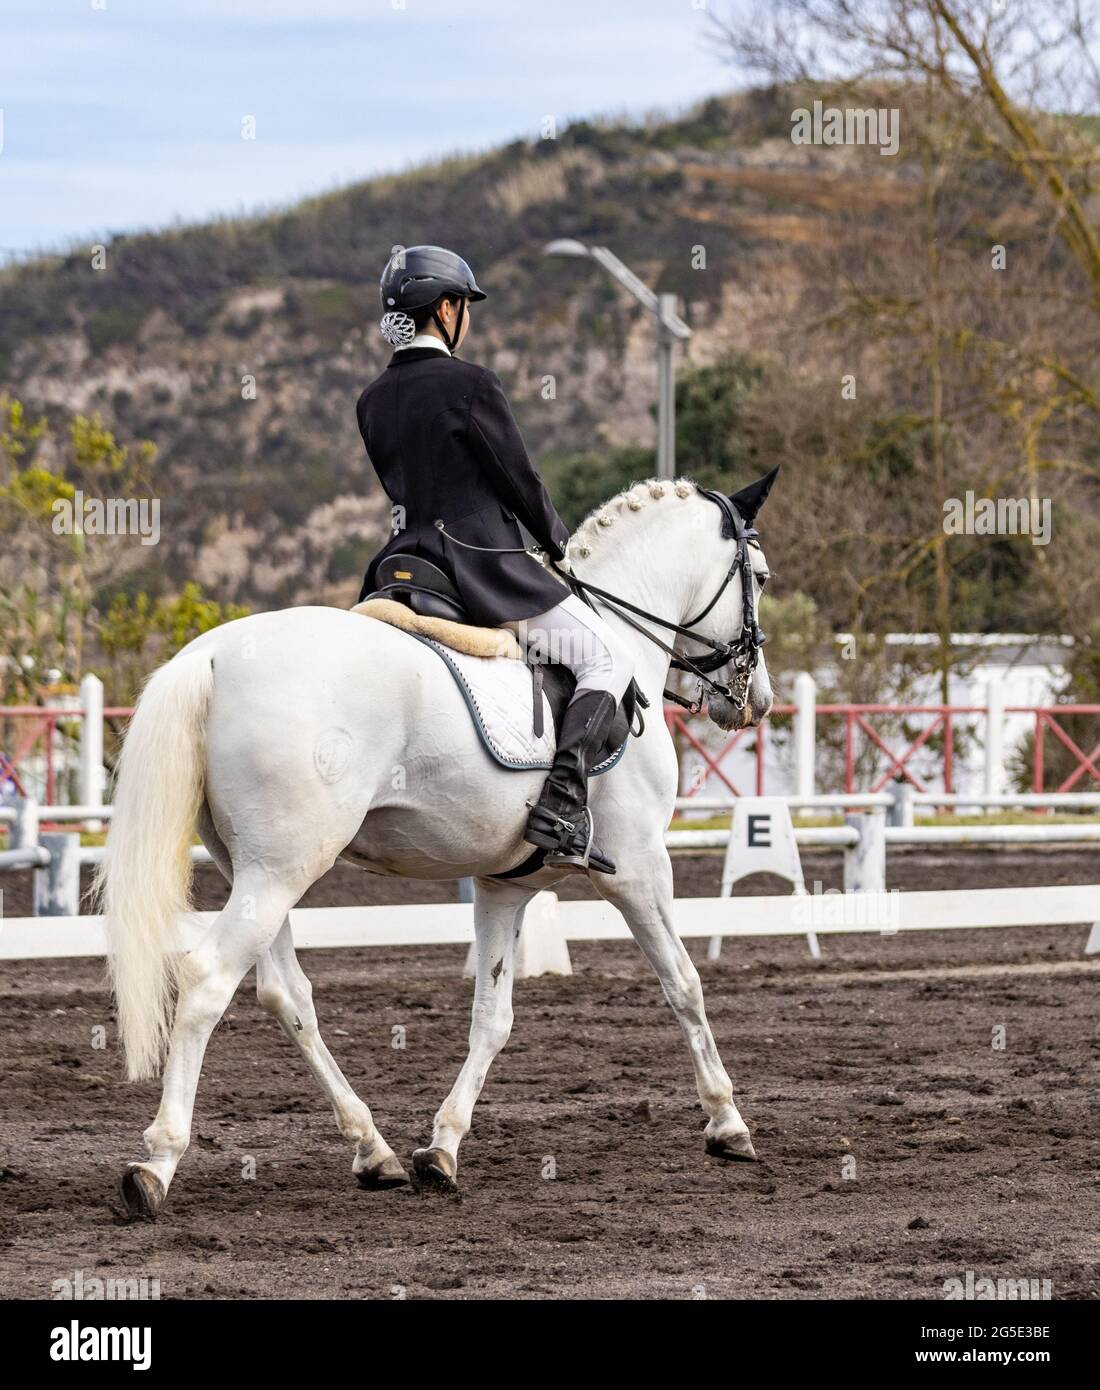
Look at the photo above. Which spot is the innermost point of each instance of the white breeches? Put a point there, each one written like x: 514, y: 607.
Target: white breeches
x: 576, y: 636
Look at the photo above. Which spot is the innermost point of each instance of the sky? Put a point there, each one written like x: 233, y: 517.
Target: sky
x: 123, y: 115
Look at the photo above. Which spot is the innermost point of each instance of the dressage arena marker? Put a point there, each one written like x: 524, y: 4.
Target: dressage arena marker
x: 46, y: 938
x: 761, y: 841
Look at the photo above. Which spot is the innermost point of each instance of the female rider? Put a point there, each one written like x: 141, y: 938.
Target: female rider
x: 450, y: 457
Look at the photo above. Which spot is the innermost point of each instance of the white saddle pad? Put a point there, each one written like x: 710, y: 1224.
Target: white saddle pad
x: 498, y: 695
x: 497, y: 690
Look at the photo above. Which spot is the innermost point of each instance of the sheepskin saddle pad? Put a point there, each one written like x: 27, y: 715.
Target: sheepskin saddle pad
x: 460, y: 637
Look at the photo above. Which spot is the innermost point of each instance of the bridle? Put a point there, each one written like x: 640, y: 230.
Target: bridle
x: 743, y: 652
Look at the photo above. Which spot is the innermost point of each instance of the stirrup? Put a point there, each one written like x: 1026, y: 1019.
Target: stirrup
x: 567, y: 853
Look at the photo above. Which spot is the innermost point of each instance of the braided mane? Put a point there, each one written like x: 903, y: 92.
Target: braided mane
x: 590, y: 532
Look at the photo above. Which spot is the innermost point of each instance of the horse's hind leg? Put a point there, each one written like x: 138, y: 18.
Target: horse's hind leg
x: 209, y: 976
x: 498, y: 917
x: 284, y: 990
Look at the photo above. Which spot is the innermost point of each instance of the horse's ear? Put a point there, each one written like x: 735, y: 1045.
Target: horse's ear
x: 750, y: 499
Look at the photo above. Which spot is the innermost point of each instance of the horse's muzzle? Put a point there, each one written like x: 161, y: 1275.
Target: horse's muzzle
x: 755, y: 711
x: 725, y: 713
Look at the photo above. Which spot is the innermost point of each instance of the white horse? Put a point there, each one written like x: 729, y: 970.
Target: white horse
x: 293, y: 738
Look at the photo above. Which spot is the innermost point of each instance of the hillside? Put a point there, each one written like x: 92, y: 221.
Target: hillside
x: 271, y: 501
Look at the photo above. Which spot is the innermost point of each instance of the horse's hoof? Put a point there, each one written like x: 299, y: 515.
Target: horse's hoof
x: 736, y: 1149
x: 435, y: 1168
x: 143, y: 1192
x: 388, y: 1173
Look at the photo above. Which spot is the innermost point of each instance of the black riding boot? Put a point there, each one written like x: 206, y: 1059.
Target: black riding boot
x: 560, y: 821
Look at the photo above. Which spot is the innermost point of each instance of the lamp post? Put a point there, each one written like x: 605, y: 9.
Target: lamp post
x: 670, y: 327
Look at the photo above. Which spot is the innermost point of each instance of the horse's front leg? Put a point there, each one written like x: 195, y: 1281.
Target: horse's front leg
x: 642, y: 891
x: 498, y: 917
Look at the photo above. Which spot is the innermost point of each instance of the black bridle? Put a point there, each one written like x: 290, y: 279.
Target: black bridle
x: 743, y: 652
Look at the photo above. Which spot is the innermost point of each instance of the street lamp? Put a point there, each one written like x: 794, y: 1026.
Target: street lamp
x: 670, y: 326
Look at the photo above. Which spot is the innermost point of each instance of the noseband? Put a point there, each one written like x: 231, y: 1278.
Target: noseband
x: 743, y: 652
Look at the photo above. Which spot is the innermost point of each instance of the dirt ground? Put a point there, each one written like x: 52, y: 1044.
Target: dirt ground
x: 899, y: 1147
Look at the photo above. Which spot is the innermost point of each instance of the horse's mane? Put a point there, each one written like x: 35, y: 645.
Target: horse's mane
x: 632, y: 499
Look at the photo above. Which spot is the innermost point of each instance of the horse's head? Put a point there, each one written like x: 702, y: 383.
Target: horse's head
x: 746, y: 695
x: 695, y: 572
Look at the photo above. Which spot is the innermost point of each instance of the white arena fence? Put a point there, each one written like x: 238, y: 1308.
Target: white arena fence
x: 56, y: 857
x: 550, y: 925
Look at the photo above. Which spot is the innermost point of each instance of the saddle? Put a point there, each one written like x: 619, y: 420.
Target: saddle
x: 421, y: 586
x: 417, y: 596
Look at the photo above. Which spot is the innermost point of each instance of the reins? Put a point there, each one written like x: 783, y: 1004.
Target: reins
x: 743, y: 651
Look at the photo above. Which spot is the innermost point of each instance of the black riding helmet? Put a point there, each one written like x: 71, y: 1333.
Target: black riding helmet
x: 417, y: 276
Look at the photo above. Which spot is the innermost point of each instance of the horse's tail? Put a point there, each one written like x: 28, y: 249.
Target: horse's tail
x: 144, y: 882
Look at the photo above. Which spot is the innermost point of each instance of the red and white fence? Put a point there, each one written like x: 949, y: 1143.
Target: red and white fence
x: 38, y: 743
x: 894, y: 760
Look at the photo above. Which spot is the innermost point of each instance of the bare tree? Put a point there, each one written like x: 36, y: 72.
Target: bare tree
x: 998, y: 371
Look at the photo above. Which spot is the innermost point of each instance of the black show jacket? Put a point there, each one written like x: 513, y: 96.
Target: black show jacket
x: 445, y: 446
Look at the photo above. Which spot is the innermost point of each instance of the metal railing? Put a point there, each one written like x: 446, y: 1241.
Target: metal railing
x: 24, y: 729
x: 939, y: 736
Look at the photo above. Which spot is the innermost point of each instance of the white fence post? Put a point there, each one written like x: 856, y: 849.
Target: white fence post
x: 57, y: 886
x: 994, y: 778
x: 805, y: 699
x: 24, y: 828
x: 901, y: 812
x: 865, y: 862
x: 91, y: 745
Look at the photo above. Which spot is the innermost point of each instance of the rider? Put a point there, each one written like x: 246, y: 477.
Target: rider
x: 450, y: 457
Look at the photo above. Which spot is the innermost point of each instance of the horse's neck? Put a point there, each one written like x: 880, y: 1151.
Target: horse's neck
x: 654, y: 560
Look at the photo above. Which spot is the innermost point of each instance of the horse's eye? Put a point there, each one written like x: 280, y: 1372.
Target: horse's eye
x: 763, y: 578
